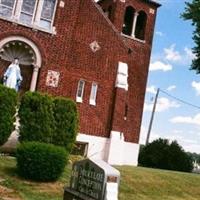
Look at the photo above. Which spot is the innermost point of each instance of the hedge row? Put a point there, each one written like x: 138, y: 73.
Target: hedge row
x: 47, y: 119
x: 8, y: 105
x: 36, y: 118
x: 66, y: 122
x: 40, y: 161
x: 42, y: 118
x: 45, y: 124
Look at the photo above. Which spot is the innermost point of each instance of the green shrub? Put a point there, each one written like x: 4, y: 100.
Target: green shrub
x: 36, y: 117
x: 8, y: 103
x: 66, y: 123
x: 164, y: 155
x: 40, y: 161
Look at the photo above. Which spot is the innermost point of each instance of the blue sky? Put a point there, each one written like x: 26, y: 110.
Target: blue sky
x: 169, y: 70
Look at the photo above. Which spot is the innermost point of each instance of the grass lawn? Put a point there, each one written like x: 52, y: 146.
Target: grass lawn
x: 136, y: 184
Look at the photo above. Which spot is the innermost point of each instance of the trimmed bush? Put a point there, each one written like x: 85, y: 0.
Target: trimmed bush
x: 40, y: 161
x: 36, y: 117
x: 165, y: 155
x: 8, y: 103
x: 66, y: 123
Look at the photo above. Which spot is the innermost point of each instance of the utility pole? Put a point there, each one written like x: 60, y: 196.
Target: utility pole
x: 152, y: 116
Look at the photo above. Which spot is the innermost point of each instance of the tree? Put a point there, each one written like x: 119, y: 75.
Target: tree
x: 192, y: 13
x: 165, y: 155
x: 195, y: 157
x: 36, y: 117
x: 66, y: 122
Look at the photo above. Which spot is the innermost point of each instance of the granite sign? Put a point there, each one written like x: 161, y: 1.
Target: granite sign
x: 90, y: 179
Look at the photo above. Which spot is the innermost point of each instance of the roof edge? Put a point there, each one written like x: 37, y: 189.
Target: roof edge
x: 153, y: 2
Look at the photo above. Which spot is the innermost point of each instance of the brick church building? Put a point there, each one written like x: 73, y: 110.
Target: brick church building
x: 96, y: 53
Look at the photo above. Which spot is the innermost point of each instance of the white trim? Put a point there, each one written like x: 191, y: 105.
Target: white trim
x: 113, y: 150
x: 134, y: 24
x: 93, y: 100
x: 34, y: 79
x: 79, y: 100
x: 121, y: 152
x: 39, y: 12
x: 97, y: 146
x: 54, y: 14
x: 122, y: 76
x: 14, y: 9
x: 37, y: 54
x: 18, y: 7
x: 133, y: 38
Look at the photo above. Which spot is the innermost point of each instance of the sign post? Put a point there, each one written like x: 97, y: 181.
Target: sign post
x: 93, y: 180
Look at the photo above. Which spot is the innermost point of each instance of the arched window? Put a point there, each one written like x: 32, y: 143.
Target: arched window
x: 128, y: 21
x: 141, y: 25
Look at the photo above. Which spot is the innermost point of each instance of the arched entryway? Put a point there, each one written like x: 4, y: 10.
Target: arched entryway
x: 29, y: 59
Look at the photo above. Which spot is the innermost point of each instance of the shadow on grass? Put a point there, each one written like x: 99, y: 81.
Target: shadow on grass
x: 11, y: 171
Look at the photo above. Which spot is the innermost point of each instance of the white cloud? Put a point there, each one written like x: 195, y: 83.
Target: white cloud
x: 158, y: 65
x: 189, y: 53
x: 143, y: 135
x: 159, y: 33
x: 188, y: 143
x: 152, y: 89
x: 171, y: 54
x: 177, y: 131
x: 187, y: 119
x: 192, y: 148
x: 196, y: 86
x: 171, y: 87
x: 163, y: 104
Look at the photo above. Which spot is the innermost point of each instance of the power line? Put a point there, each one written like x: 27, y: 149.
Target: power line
x: 180, y: 100
x: 154, y: 108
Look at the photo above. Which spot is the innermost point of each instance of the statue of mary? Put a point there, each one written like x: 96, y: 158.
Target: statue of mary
x: 12, y: 77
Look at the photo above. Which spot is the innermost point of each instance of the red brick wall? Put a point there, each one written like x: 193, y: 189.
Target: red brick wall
x: 138, y: 63
x: 78, y: 24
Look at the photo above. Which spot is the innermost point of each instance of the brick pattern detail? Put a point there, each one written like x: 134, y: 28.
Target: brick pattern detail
x: 78, y: 24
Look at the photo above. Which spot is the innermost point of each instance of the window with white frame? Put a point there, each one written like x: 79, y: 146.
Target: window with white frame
x: 47, y: 13
x: 80, y: 90
x: 34, y: 13
x: 6, y: 8
x: 93, y: 94
x: 27, y: 11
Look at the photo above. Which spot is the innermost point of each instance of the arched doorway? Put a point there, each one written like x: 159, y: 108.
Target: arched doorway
x: 29, y: 59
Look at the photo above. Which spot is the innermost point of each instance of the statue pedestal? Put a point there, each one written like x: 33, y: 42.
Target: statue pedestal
x: 11, y: 144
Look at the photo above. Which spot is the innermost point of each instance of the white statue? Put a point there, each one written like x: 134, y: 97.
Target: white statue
x: 12, y: 77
